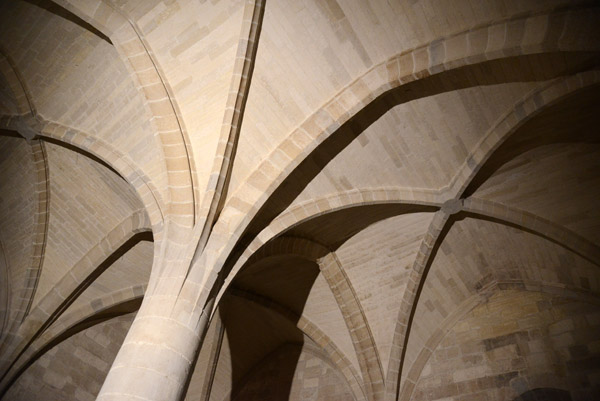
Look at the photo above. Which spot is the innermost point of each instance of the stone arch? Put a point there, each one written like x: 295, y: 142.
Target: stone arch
x: 346, y: 298
x: 41, y: 217
x: 15, y: 84
x: 317, y: 336
x: 427, y: 251
x: 290, y: 246
x: 26, y: 287
x: 535, y: 224
x: 453, y: 60
x: 441, y: 223
x: 82, y: 274
x: 355, y: 197
x: 321, y: 207
x: 220, y: 173
x: 145, y: 70
x: 264, y: 244
x: 299, y: 248
x: 467, y: 305
x: 111, y: 305
x: 279, y: 241
x: 524, y: 111
x: 521, y: 112
x: 505, y: 215
x: 31, y: 125
x: 527, y: 109
x: 358, y: 326
x: 150, y: 197
x: 303, y: 212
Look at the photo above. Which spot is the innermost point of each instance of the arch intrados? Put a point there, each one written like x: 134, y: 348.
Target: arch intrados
x: 477, y: 299
x: 118, y: 164
x: 282, y: 245
x: 302, y: 229
x: 39, y: 321
x: 578, y: 109
x: 115, y: 310
x: 480, y: 216
x: 364, y: 213
x: 269, y: 261
x: 86, y: 153
x: 55, y: 8
x: 333, y: 228
x: 526, y: 68
x: 99, y: 152
x: 286, y: 279
x: 311, y: 331
x: 290, y: 182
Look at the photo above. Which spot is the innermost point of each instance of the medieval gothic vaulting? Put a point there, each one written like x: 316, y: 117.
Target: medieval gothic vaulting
x: 231, y: 200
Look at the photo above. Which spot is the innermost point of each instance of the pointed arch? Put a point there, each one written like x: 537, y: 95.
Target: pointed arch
x: 97, y: 311
x: 451, y: 63
x: 166, y: 117
x: 314, y: 333
x: 122, y: 238
x: 525, y: 110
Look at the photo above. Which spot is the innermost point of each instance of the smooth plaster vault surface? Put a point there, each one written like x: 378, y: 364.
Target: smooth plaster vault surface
x: 369, y: 200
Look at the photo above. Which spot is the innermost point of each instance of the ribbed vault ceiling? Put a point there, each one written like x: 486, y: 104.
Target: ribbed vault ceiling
x: 357, y: 244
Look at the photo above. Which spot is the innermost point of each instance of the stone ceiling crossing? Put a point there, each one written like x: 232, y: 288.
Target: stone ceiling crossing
x: 304, y: 200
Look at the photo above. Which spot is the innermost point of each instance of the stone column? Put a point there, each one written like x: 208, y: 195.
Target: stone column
x: 157, y: 354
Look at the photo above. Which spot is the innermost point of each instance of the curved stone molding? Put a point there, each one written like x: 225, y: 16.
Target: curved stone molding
x: 358, y: 326
x: 31, y: 125
x: 347, y: 301
x: 319, y: 207
x: 456, y: 54
x: 418, y: 273
x: 218, y: 181
x: 145, y: 70
x: 96, y: 311
x: 79, y: 277
x: 522, y: 112
x: 577, y: 294
x: 40, y: 223
x: 536, y: 225
x: 114, y: 159
x: 314, y: 333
